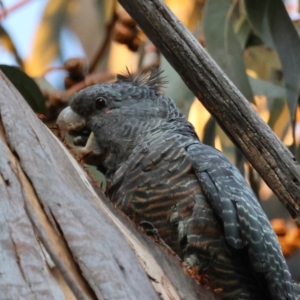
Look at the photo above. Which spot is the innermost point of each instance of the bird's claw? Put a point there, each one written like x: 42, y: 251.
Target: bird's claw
x: 151, y: 230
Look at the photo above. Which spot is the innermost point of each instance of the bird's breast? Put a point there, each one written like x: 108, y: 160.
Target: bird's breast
x: 158, y: 185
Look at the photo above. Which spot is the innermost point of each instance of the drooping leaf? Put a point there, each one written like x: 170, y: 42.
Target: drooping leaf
x: 105, y: 9
x: 276, y: 109
x: 199, y: 116
x: 271, y: 22
x: 46, y: 46
x: 9, y: 45
x: 176, y: 88
x: 280, y: 122
x: 266, y: 88
x: 195, y: 18
x: 239, y: 21
x: 254, y: 181
x: 209, y: 132
x: 227, y: 146
x: 101, y: 19
x: 26, y: 86
x: 263, y: 63
x: 223, y: 44
x: 43, y: 84
x: 184, y: 10
x: 239, y: 160
x: 253, y: 40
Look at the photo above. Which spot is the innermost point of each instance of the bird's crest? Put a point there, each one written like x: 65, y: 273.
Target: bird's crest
x: 152, y: 79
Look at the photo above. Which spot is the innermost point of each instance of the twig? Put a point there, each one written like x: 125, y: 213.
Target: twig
x: 53, y: 68
x: 102, y: 49
x: 14, y: 7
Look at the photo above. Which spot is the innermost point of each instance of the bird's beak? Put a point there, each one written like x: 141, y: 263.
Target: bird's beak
x: 71, y: 123
x: 68, y: 121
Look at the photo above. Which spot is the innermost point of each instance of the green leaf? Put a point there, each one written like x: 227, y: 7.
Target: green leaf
x: 276, y: 109
x: 271, y: 22
x: 254, y: 181
x: 220, y: 21
x: 267, y: 88
x: 279, y: 119
x: 176, y: 88
x: 280, y: 122
x: 228, y: 148
x: 239, y: 160
x: 209, y: 132
x: 264, y: 62
x: 253, y: 40
x: 97, y: 175
x: 43, y: 84
x: 26, y: 86
x: 195, y: 19
x: 9, y: 45
x: 240, y: 23
x: 46, y: 45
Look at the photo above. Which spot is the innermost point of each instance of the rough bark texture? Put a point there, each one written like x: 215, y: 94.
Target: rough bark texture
x: 222, y: 99
x: 58, y: 239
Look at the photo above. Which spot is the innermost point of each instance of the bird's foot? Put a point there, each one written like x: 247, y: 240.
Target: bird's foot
x: 149, y: 229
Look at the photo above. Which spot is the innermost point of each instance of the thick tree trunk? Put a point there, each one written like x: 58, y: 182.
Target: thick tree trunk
x: 58, y: 238
x: 222, y: 99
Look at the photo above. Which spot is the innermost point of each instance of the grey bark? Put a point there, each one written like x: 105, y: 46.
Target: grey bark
x: 272, y: 160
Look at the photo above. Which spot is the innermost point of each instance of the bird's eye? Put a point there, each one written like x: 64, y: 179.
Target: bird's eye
x: 100, y: 102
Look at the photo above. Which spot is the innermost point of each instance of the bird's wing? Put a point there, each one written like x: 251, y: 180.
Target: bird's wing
x: 245, y: 224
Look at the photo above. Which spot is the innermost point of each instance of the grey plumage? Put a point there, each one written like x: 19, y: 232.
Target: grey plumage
x: 158, y: 171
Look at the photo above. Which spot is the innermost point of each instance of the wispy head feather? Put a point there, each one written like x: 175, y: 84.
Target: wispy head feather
x: 152, y: 79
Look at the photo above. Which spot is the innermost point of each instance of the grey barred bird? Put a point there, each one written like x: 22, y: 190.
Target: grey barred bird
x: 159, y: 172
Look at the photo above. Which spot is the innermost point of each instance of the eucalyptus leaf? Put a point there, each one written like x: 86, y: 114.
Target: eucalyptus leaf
x: 195, y: 18
x: 280, y: 122
x: 279, y: 119
x: 239, y: 160
x: 209, y: 132
x: 276, y: 110
x: 46, y: 44
x: 26, y: 86
x: 97, y: 175
x: 271, y: 22
x: 43, y: 84
x: 176, y: 88
x: 254, y: 181
x: 253, y: 40
x: 263, y: 61
x: 228, y: 148
x: 223, y: 44
x: 266, y: 88
x: 9, y: 45
x: 240, y: 22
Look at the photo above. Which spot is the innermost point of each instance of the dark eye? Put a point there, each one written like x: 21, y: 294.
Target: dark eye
x: 100, y: 102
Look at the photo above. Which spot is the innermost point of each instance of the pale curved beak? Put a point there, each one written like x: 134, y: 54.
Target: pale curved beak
x: 69, y: 120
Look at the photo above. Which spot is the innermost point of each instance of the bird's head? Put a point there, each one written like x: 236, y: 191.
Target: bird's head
x: 120, y: 115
